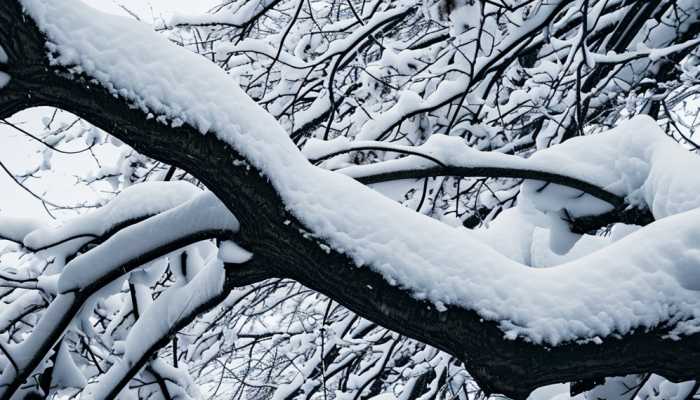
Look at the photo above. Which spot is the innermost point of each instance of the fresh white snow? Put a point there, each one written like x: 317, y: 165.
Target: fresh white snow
x: 16, y: 229
x: 161, y: 317
x: 337, y: 48
x: 135, y: 202
x: 237, y: 14
x: 641, y: 281
x: 203, y: 213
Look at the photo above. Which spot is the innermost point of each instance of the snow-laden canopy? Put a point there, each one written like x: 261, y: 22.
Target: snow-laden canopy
x: 581, y: 300
x: 644, y: 281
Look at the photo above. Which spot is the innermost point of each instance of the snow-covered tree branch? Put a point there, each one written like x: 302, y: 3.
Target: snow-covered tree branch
x: 526, y: 93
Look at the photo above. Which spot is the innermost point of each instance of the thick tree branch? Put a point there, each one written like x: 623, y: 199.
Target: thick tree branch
x: 281, y: 243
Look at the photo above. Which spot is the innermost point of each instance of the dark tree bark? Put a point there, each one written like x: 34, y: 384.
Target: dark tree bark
x: 510, y: 367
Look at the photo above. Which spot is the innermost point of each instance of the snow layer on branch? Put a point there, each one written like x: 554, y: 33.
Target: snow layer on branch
x: 135, y: 202
x: 160, y: 318
x: 635, y: 160
x: 646, y: 279
x: 659, y: 388
x: 448, y: 150
x: 16, y: 228
x: 238, y: 14
x: 515, y: 235
x: 230, y: 252
x: 204, y: 213
x: 66, y: 373
x: 336, y: 48
x: 24, y: 351
x: 14, y: 310
x: 410, y: 104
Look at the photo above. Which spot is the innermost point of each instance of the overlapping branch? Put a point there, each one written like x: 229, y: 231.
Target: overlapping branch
x: 282, y: 246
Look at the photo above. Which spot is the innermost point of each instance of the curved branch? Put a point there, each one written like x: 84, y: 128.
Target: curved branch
x: 236, y: 275
x: 91, y: 272
x: 621, y: 213
x: 283, y: 244
x: 488, y: 172
x: 379, y: 148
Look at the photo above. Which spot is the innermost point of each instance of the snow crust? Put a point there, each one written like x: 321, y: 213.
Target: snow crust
x: 646, y: 279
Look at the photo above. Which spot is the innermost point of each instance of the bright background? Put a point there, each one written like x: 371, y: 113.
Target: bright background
x: 19, y: 153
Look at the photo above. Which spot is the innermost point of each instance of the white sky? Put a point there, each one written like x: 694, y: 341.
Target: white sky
x: 19, y: 153
x: 150, y: 9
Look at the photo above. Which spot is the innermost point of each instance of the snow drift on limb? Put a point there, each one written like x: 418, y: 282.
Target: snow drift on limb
x: 582, y: 299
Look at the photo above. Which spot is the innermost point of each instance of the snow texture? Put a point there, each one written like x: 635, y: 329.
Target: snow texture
x: 646, y: 279
x: 231, y: 252
x: 558, y: 391
x: 515, y: 235
x: 66, y: 373
x: 659, y: 388
x: 635, y: 160
x: 339, y: 47
x: 411, y: 103
x: 203, y: 213
x: 135, y: 202
x: 15, y: 229
x: 238, y: 14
